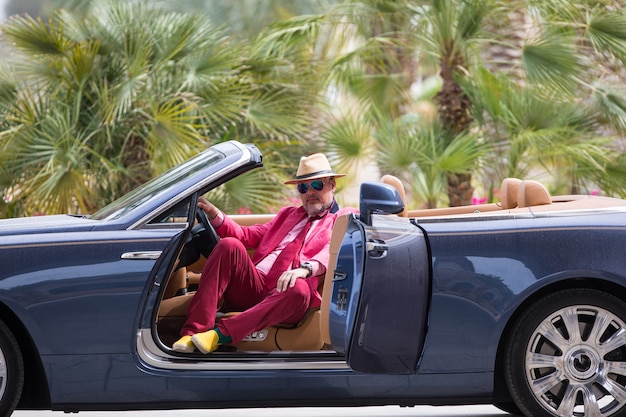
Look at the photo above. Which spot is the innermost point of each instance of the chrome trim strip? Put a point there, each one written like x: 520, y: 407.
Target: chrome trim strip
x: 153, y: 356
x: 149, y: 255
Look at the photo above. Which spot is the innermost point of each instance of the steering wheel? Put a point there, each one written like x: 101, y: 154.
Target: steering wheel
x: 207, y: 234
x: 201, y: 241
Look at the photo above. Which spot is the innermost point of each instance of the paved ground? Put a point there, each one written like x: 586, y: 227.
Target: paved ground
x: 390, y: 411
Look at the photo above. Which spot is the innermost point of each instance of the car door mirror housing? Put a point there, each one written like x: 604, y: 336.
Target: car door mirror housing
x: 378, y: 198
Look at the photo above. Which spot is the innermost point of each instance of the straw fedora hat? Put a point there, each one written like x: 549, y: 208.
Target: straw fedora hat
x: 313, y: 167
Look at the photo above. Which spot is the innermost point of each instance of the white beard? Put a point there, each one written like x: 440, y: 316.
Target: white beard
x: 316, y: 209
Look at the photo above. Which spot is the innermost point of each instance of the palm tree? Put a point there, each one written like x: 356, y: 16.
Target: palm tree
x: 422, y: 156
x: 451, y: 29
x: 373, y: 67
x: 565, y: 111
x: 96, y: 104
x: 452, y: 37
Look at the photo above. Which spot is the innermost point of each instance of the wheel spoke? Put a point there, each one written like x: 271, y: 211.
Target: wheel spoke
x: 547, y: 330
x: 616, y: 390
x: 568, y: 402
x: 601, y: 323
x: 615, y: 341
x: 590, y: 403
x: 570, y: 320
x: 3, y: 372
x: 612, y: 367
x: 540, y: 360
x: 545, y: 383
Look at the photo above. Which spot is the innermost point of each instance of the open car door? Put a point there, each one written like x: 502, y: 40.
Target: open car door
x: 378, y: 311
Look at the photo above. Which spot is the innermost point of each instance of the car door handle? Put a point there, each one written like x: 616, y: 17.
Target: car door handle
x: 377, y: 250
x: 149, y: 255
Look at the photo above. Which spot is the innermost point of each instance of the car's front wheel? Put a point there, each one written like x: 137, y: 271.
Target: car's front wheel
x: 567, y: 356
x: 11, y: 371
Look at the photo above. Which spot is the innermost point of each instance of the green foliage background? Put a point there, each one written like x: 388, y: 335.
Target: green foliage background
x: 451, y: 96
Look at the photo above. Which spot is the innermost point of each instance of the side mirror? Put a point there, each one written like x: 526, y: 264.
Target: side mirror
x: 378, y: 198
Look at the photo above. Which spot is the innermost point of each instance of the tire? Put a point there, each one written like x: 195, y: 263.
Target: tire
x: 567, y: 356
x: 11, y: 371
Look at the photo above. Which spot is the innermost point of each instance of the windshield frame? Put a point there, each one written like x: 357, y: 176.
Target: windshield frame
x: 206, y: 170
x: 156, y: 186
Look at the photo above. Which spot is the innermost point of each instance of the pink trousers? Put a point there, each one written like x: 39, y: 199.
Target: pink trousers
x: 230, y: 275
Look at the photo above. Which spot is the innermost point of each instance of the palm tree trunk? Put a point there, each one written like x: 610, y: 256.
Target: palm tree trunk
x: 455, y: 116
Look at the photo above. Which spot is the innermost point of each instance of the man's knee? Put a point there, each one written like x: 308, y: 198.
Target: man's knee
x: 300, y: 293
x: 228, y: 246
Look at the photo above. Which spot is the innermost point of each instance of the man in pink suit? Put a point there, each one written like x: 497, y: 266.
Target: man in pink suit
x: 279, y: 283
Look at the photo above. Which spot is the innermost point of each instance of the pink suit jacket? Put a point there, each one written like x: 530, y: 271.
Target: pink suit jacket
x: 265, y: 237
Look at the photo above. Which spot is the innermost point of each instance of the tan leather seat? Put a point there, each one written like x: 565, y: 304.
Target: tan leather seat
x: 397, y: 184
x: 303, y: 336
x: 339, y: 230
x: 172, y: 311
x: 508, y: 192
x: 177, y: 283
x: 532, y: 193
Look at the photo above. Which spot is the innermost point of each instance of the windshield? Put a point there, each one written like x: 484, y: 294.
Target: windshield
x: 154, y: 187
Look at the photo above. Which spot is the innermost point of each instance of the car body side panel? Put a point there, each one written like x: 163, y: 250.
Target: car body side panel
x: 482, y: 272
x: 115, y: 382
x: 78, y: 296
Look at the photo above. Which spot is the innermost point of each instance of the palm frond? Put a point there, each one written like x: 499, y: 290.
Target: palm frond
x: 551, y: 62
x: 270, y: 112
x: 612, y: 181
x: 225, y: 100
x: 471, y: 17
x: 35, y: 37
x: 8, y: 95
x: 398, y: 151
x: 214, y: 57
x: 173, y: 138
x: 349, y: 142
x: 287, y: 35
x: 80, y: 64
x: 606, y: 31
x: 259, y: 191
x: 52, y: 157
x: 462, y: 154
x: 610, y: 103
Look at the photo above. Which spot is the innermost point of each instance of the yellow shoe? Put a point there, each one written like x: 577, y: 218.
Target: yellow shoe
x: 206, y: 342
x: 184, y: 345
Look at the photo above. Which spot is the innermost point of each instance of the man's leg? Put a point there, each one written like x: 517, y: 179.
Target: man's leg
x: 229, y: 270
x: 286, y: 307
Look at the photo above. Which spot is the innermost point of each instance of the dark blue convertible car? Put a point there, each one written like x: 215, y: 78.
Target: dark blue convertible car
x: 518, y: 303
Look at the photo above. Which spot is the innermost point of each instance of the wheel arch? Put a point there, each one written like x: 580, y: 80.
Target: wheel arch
x: 35, y: 394
x: 501, y: 393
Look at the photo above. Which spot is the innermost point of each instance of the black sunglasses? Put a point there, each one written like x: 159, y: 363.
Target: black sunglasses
x: 317, y: 185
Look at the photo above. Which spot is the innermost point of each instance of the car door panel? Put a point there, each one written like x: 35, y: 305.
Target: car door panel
x: 381, y: 292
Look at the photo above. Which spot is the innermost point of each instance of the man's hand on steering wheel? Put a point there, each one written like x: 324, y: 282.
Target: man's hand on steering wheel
x: 204, y: 213
x: 208, y: 208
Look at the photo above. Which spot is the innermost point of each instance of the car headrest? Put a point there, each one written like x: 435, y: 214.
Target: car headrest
x: 508, y: 192
x: 532, y: 193
x: 397, y: 184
